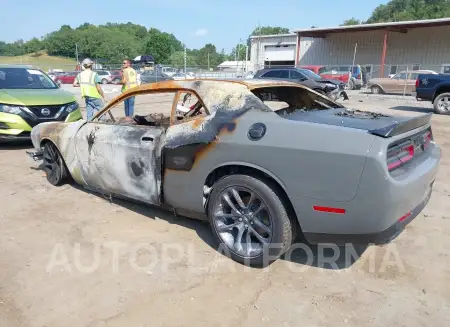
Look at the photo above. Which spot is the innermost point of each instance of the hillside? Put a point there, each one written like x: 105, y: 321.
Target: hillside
x: 42, y: 60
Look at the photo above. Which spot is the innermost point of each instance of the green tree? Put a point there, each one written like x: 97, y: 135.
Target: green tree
x: 401, y: 10
x: 351, y: 21
x: 239, y: 51
x: 270, y: 30
x: 161, y: 45
x: 34, y: 46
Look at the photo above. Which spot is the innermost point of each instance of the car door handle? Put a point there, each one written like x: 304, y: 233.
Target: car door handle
x: 147, y: 139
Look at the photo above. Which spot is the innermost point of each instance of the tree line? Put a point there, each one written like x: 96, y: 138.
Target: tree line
x: 403, y: 10
x: 112, y: 42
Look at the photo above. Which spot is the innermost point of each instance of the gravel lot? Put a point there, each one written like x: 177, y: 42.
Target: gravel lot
x: 72, y: 258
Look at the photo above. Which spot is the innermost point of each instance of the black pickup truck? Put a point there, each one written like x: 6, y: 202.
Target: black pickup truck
x: 434, y: 88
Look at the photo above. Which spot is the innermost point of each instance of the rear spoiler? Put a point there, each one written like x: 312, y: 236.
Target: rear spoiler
x: 402, y: 126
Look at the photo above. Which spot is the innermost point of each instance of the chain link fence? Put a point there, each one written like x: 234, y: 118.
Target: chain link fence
x: 396, y: 78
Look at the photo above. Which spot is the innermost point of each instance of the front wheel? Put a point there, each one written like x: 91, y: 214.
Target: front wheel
x: 249, y: 220
x: 54, y: 166
x: 442, y: 104
x: 104, y: 81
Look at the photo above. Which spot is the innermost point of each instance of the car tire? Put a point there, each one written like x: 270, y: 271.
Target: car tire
x: 351, y: 85
x: 54, y: 166
x: 58, y: 82
x: 271, y: 231
x: 104, y: 81
x: 441, y: 104
x: 376, y: 89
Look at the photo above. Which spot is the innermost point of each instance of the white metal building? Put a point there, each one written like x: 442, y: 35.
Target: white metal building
x: 273, y: 50
x: 382, y: 49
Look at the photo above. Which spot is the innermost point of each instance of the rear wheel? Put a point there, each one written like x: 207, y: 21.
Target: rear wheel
x: 249, y: 219
x: 441, y: 104
x: 58, y: 82
x: 54, y: 166
x: 376, y: 89
x: 350, y: 85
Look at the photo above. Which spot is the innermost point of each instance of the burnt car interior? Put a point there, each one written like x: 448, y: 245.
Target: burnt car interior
x: 188, y: 106
x: 293, y: 99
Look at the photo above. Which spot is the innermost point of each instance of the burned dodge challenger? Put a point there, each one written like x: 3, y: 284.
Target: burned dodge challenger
x: 263, y: 161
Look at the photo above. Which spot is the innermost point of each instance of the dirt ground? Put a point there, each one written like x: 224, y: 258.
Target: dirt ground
x: 70, y: 258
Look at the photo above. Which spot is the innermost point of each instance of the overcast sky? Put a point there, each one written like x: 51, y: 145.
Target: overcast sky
x: 194, y: 22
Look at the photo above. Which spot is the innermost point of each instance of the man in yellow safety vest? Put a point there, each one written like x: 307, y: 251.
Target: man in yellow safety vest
x: 89, y: 82
x: 129, y: 80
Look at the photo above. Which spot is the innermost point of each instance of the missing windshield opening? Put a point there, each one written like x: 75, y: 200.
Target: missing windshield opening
x: 288, y: 99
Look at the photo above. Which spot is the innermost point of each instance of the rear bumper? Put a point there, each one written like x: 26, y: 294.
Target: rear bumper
x: 382, y: 207
x: 382, y: 237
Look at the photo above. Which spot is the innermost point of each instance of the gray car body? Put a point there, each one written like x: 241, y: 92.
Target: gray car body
x: 315, y: 161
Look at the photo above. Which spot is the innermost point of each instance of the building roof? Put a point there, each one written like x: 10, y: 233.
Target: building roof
x: 271, y: 36
x: 401, y: 27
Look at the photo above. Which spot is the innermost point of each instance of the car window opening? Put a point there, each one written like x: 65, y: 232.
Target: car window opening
x: 286, y: 99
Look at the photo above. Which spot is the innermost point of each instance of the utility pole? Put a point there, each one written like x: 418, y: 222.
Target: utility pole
x: 246, y: 57
x: 208, y: 61
x: 185, y: 59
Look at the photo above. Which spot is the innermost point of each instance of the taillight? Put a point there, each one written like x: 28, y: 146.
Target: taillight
x: 427, y: 137
x: 400, y: 154
x: 417, y: 83
x: 359, y: 76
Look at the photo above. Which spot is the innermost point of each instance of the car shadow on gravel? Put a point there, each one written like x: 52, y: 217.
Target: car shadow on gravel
x: 325, y: 256
x: 413, y: 109
x: 153, y: 212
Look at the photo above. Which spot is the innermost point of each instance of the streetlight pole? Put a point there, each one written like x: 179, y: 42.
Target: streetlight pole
x: 185, y: 59
x: 76, y: 53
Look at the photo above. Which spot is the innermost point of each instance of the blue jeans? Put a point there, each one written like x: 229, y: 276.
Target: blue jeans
x: 129, y: 107
x: 93, y: 105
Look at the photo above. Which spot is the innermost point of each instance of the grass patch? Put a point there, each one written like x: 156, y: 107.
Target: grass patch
x: 41, y: 60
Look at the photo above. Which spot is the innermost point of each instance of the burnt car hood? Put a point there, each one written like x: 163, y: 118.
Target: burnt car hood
x: 375, y: 123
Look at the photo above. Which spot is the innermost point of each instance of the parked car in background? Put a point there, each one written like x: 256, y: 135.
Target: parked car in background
x: 54, y: 74
x: 29, y: 97
x: 169, y: 71
x: 182, y: 76
x: 316, y: 69
x: 151, y: 76
x: 343, y: 73
x: 116, y: 76
x: 105, y: 76
x: 332, y: 88
x: 402, y: 82
x: 65, y: 78
x: 436, y: 89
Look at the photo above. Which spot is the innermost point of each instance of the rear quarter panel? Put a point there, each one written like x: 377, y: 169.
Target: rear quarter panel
x: 308, y: 160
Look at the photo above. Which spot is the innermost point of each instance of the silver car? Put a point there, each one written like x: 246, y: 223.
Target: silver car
x: 259, y: 175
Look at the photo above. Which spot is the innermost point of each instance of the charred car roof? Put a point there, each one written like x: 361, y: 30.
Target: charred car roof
x: 213, y: 92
